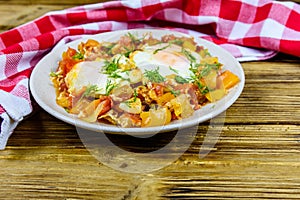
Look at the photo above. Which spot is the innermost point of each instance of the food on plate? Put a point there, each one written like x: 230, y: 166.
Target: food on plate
x: 139, y: 81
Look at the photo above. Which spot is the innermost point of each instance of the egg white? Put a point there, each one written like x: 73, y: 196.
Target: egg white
x: 85, y: 74
x: 168, y: 58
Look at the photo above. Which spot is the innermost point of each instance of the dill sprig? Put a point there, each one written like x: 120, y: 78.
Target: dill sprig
x: 128, y: 102
x: 208, y: 67
x: 109, y: 87
x: 189, y: 56
x: 180, y: 79
x: 78, y: 56
x: 92, y: 89
x: 54, y: 74
x: 154, y: 75
x: 161, y: 49
x: 134, y: 38
x: 174, y: 70
x: 111, y: 67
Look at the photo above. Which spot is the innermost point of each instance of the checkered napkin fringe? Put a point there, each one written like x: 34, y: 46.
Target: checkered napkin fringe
x: 249, y: 29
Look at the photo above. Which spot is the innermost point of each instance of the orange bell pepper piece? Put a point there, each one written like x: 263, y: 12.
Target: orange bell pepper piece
x: 229, y: 79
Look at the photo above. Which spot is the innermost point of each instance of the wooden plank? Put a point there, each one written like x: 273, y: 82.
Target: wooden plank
x: 23, y: 14
x: 271, y: 94
x: 45, y: 2
x: 43, y: 180
x: 255, y: 141
x: 247, y: 161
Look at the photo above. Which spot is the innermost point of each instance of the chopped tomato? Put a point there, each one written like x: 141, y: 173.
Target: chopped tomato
x: 68, y: 62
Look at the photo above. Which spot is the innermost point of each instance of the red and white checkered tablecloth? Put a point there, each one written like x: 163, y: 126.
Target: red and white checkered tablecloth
x: 249, y: 29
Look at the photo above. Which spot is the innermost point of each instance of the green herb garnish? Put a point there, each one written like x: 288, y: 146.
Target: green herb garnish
x: 154, y: 75
x: 115, y: 75
x: 92, y: 89
x: 202, y: 88
x: 109, y: 87
x: 179, y: 42
x: 78, y: 56
x: 161, y: 49
x: 194, y: 67
x: 128, y: 102
x: 111, y: 67
x: 174, y: 70
x: 180, y: 79
x: 134, y: 39
x: 175, y: 92
x: 54, y: 74
x: 205, y: 53
x: 208, y: 67
x: 128, y: 53
x: 205, y: 90
x: 189, y: 56
x: 110, y: 47
x: 135, y: 94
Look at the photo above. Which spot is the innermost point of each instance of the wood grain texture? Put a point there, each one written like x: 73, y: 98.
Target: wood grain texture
x: 23, y: 14
x: 52, y: 2
x: 256, y: 155
x: 271, y: 94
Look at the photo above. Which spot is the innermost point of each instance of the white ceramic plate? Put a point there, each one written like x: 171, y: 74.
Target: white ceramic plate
x: 44, y: 93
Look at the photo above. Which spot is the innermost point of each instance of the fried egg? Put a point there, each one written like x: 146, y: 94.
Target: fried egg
x: 168, y: 57
x: 89, y: 73
x: 85, y: 74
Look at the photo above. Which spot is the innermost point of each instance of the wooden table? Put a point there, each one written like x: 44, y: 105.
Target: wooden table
x: 257, y: 154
